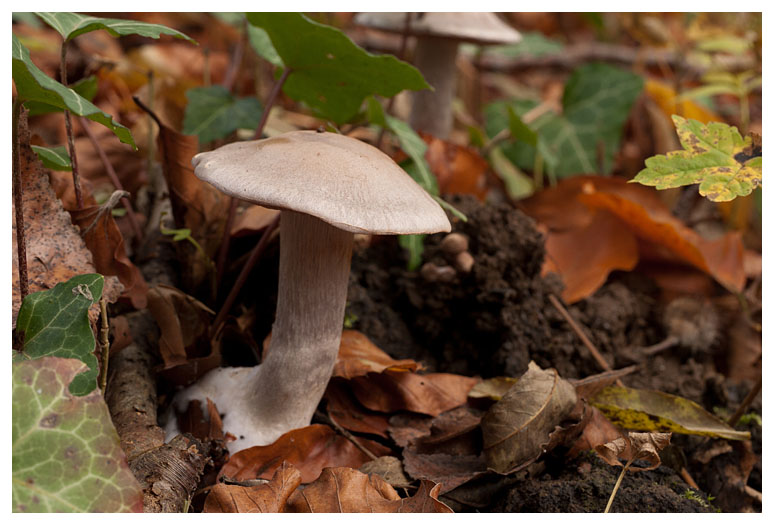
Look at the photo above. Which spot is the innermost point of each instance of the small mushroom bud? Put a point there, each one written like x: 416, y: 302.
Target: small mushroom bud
x: 432, y: 273
x: 464, y: 261
x: 454, y: 243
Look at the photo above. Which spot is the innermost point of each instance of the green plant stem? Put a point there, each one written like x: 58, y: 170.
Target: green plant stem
x: 223, y: 250
x: 616, y: 487
x: 69, y: 129
x: 21, y: 242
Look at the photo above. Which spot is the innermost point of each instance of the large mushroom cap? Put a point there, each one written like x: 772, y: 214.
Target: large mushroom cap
x: 478, y: 28
x: 338, y: 179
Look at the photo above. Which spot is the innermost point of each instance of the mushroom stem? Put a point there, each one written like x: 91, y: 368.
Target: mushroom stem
x: 312, y: 293
x: 432, y: 110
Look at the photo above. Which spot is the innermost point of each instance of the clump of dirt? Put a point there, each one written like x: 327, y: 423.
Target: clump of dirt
x: 494, y: 319
x: 587, y: 487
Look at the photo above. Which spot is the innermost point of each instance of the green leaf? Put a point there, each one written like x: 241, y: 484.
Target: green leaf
x: 213, y: 112
x: 715, y: 156
x: 518, y: 185
x: 56, y: 323
x: 65, y: 454
x: 54, y: 158
x: 86, y: 87
x: 532, y: 44
x: 262, y: 45
x: 653, y: 411
x: 596, y: 103
x: 414, y: 245
x: 331, y: 74
x: 70, y: 25
x: 414, y: 146
x: 520, y: 130
x: 32, y: 84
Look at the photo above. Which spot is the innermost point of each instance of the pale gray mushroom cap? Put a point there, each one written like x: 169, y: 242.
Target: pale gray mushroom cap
x: 338, y: 179
x: 479, y: 28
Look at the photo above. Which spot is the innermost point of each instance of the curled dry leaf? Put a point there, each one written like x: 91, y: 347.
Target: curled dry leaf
x: 516, y: 428
x: 106, y: 243
x: 636, y: 445
x: 310, y: 449
x: 657, y: 411
x: 597, y: 431
x: 346, y: 490
x: 493, y: 388
x: 358, y: 356
x: 55, y: 250
x: 429, y: 394
x: 265, y: 497
x: 343, y: 408
x: 388, y: 468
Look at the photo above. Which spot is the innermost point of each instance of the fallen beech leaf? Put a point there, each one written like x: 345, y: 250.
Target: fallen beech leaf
x: 589, y: 386
x: 106, y: 243
x: 55, y: 250
x: 584, y: 257
x: 267, y: 497
x: 310, y: 449
x: 407, y: 427
x: 194, y: 422
x: 253, y: 219
x: 448, y: 470
x: 429, y: 394
x: 196, y: 205
x: 597, y: 431
x: 346, y: 490
x: 388, y: 468
x: 657, y: 411
x: 458, y: 169
x: 183, y: 322
x: 358, y: 356
x: 636, y: 445
x: 516, y: 428
x: 344, y: 409
x: 493, y: 388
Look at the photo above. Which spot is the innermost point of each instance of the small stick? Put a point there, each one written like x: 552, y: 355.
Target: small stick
x: 243, y: 276
x: 104, y: 345
x: 688, y: 478
x: 400, y: 56
x: 671, y: 340
x: 21, y: 241
x: 69, y: 129
x: 346, y: 434
x: 616, y: 487
x: 580, y: 333
x: 735, y: 418
x: 113, y: 178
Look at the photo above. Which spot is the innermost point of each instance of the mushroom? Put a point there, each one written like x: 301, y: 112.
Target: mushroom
x: 438, y: 36
x: 328, y: 187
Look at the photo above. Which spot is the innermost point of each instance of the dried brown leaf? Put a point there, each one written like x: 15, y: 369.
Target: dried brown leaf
x: 267, y: 497
x: 448, y: 470
x: 344, y: 409
x: 388, y: 468
x: 636, y: 445
x: 516, y: 428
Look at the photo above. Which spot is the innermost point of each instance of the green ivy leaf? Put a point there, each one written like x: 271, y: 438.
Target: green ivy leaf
x: 414, y: 245
x: 262, y: 45
x: 596, y: 103
x: 331, y: 74
x: 213, y: 112
x: 32, y: 84
x: 70, y: 25
x: 414, y: 146
x: 54, y: 158
x: 653, y: 411
x: 65, y: 454
x: 715, y: 156
x: 56, y: 323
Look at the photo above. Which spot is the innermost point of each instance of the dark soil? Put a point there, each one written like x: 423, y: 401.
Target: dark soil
x: 493, y: 320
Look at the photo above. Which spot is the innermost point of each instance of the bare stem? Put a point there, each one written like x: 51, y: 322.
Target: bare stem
x: 21, y: 243
x: 113, y: 178
x: 745, y: 404
x: 69, y: 129
x: 616, y: 487
x: 104, y: 345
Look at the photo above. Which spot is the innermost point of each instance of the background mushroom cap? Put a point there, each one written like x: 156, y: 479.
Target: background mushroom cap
x: 479, y: 28
x: 338, y: 179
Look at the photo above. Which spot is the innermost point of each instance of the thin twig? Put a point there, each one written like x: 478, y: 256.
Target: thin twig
x: 400, y: 56
x: 249, y: 264
x: 616, y: 487
x: 735, y: 418
x: 339, y: 428
x: 113, y: 178
x: 669, y: 341
x: 21, y: 242
x: 104, y: 345
x: 69, y: 129
x: 580, y: 333
x: 236, y: 58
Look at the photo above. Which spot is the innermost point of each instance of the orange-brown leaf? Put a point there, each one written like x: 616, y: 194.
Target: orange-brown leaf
x: 458, y: 169
x: 358, y: 356
x: 268, y: 497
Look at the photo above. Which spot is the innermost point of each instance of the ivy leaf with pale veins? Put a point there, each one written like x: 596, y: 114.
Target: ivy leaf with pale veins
x: 70, y: 25
x: 56, y: 323
x: 516, y: 429
x: 715, y: 156
x: 213, y: 112
x: 55, y: 158
x: 330, y: 73
x: 32, y: 84
x: 65, y: 455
